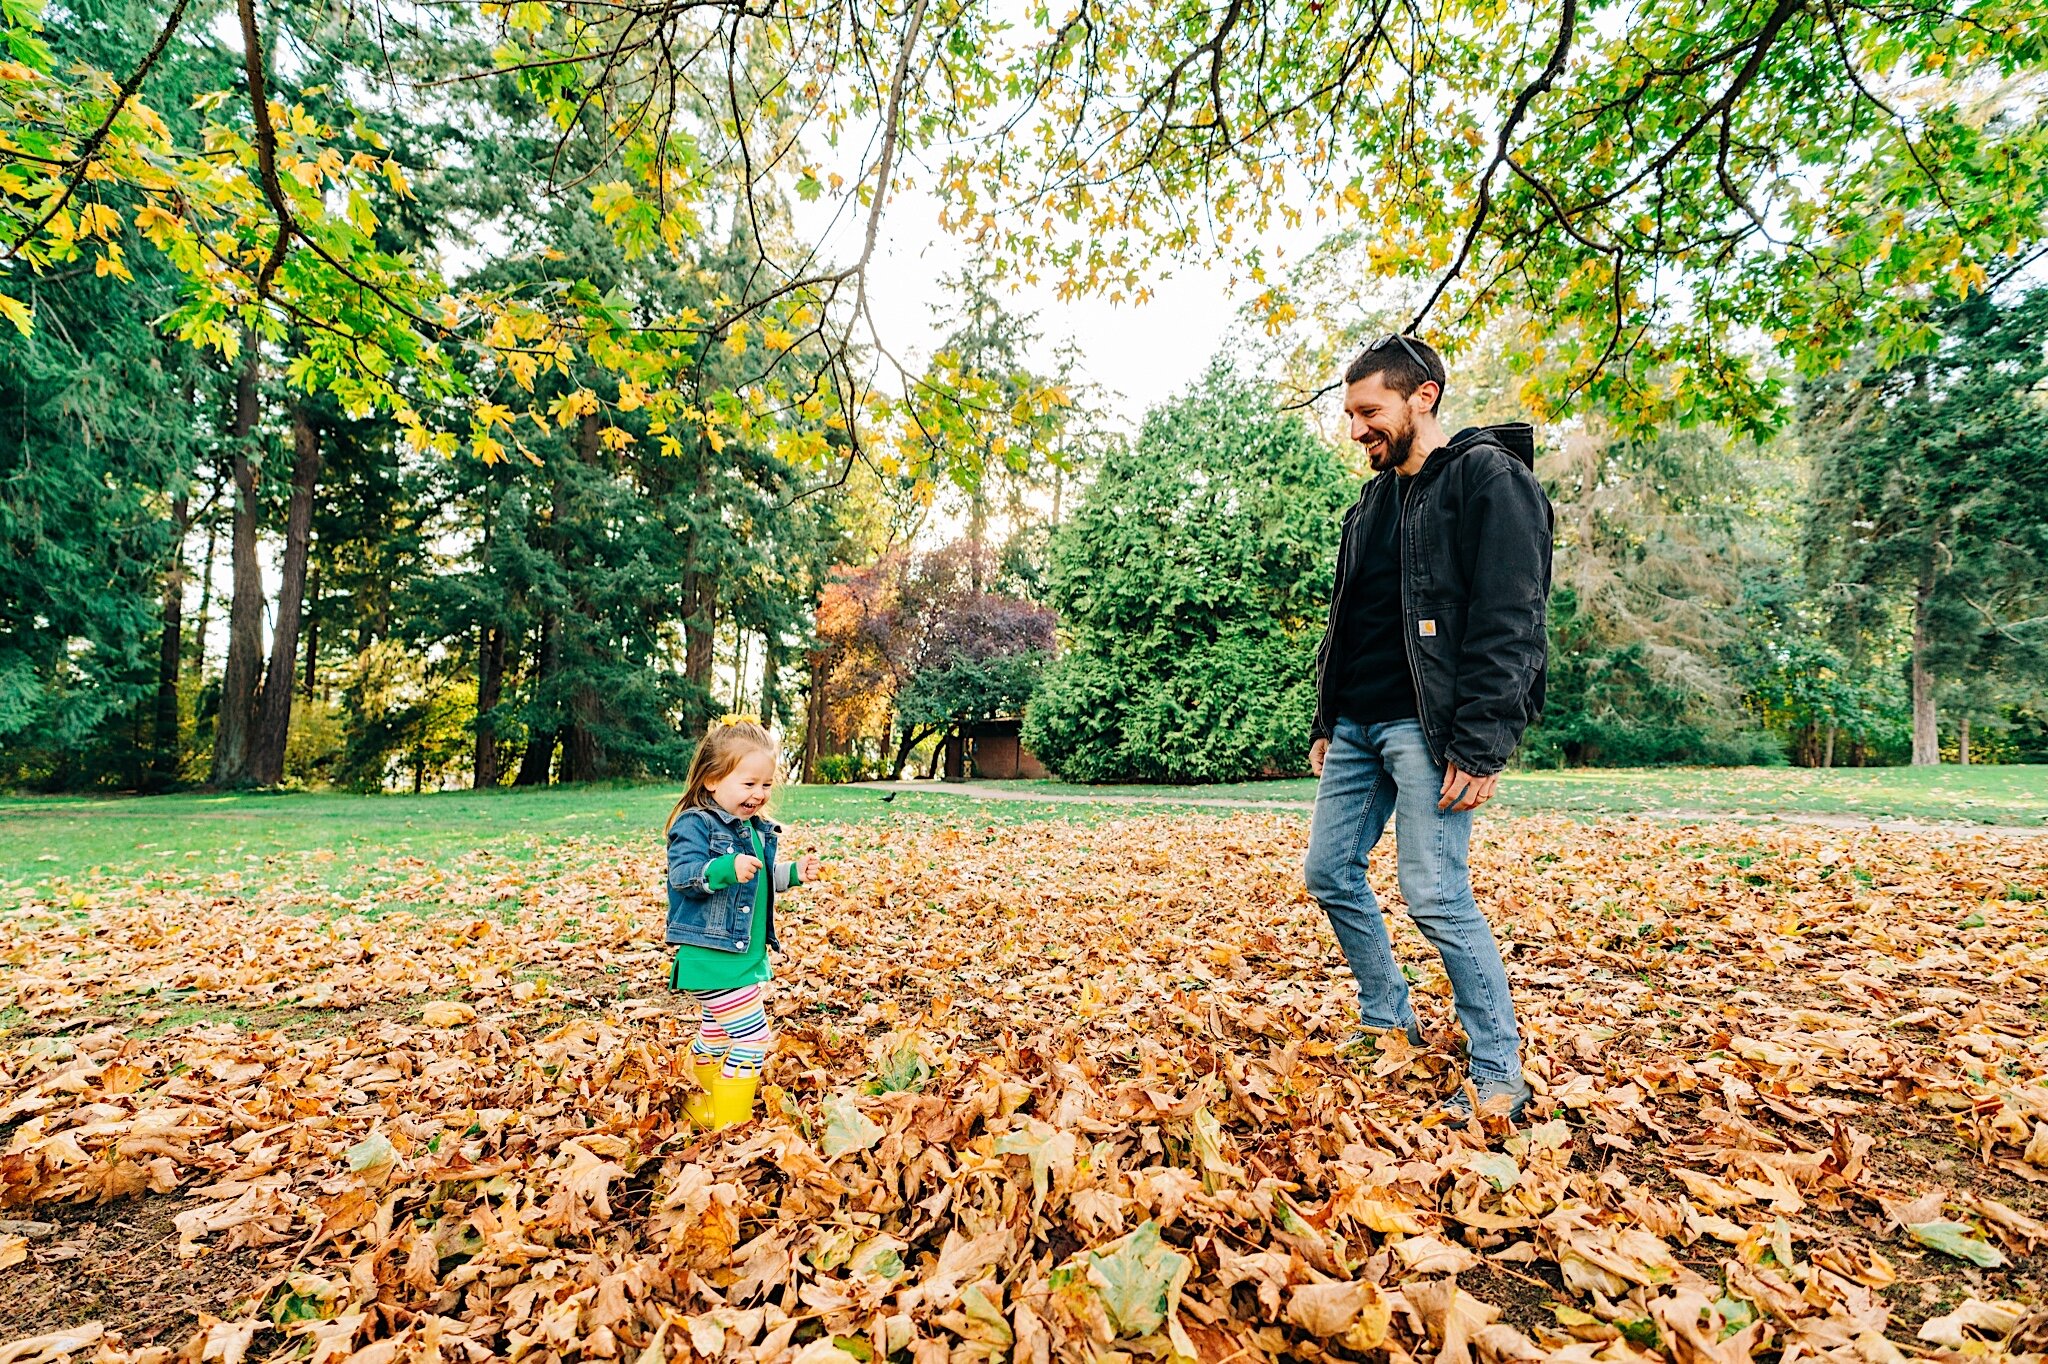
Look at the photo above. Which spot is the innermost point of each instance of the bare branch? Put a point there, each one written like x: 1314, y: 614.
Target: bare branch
x: 1551, y: 71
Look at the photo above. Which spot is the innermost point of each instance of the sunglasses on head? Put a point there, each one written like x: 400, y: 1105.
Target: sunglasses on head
x: 1397, y: 339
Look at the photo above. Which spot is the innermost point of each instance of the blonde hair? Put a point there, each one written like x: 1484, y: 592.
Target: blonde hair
x: 724, y: 745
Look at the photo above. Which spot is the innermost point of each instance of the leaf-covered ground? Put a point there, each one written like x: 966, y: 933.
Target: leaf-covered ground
x: 1045, y: 1090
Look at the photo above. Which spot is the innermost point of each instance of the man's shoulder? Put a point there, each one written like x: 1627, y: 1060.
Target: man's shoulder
x: 1485, y: 452
x: 1486, y: 460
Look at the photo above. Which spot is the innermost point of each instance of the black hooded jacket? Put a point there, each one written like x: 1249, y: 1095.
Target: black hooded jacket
x: 1475, y: 586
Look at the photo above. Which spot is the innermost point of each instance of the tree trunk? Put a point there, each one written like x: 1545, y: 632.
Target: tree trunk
x: 771, y: 678
x: 1926, y: 731
x: 977, y: 532
x: 700, y: 626
x: 1963, y: 741
x: 700, y: 600
x: 490, y: 687
x: 1827, y: 753
x: 911, y: 734
x: 234, y: 734
x: 938, y: 752
x: 170, y: 657
x: 274, y: 703
x: 739, y: 672
x: 205, y: 621
x: 540, y: 744
x: 814, y: 719
x: 312, y: 614
x: 583, y: 755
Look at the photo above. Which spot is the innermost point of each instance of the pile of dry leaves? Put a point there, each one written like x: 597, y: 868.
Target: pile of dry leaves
x: 1053, y: 1091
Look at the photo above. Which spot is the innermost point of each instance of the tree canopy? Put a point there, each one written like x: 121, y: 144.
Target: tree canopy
x: 1655, y: 180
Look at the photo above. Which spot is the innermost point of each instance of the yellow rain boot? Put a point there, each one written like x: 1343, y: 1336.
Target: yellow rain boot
x: 697, y: 1108
x: 732, y: 1100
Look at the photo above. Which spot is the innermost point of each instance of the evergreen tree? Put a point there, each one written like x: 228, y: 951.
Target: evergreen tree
x: 103, y: 420
x: 1193, y: 581
x: 99, y: 434
x: 1931, y: 501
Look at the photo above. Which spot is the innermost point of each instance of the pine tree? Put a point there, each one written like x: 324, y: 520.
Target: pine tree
x: 1931, y: 499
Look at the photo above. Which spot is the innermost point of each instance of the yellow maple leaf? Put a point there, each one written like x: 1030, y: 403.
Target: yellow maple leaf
x: 97, y: 220
x: 154, y: 223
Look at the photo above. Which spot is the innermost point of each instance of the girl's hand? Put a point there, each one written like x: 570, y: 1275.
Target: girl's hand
x: 807, y: 868
x: 744, y: 866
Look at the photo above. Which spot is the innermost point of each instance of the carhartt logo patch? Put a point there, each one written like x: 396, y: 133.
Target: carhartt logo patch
x: 1426, y: 628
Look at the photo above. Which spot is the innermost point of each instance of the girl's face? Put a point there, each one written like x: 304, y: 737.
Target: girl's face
x: 745, y: 789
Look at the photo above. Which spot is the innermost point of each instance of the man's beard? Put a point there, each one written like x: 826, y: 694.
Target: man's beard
x: 1394, y: 453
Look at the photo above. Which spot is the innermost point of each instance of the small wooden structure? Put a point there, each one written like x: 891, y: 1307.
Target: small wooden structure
x: 993, y: 749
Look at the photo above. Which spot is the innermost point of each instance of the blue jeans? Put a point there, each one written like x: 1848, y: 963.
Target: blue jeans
x: 1369, y: 774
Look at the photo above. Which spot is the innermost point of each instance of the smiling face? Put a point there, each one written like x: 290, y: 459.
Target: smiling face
x: 1383, y: 419
x: 744, y: 791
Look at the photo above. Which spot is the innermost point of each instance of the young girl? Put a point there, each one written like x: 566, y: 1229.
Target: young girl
x: 722, y: 882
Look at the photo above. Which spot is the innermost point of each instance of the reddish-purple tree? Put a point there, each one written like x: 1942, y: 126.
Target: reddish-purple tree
x: 909, y: 641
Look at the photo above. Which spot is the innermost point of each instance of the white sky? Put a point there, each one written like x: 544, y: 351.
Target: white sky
x: 1141, y: 353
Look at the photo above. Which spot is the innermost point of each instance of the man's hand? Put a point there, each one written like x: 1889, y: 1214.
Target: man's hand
x: 1463, y: 791
x: 1317, y: 751
x: 807, y: 868
x: 744, y: 866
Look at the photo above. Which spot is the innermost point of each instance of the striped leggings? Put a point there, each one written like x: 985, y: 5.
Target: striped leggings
x: 733, y: 1025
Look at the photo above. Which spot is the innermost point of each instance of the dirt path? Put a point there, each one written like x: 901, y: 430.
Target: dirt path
x: 977, y: 791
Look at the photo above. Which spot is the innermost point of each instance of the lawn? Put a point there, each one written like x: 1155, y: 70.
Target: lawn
x: 46, y: 838
x: 2016, y: 795
x: 42, y: 838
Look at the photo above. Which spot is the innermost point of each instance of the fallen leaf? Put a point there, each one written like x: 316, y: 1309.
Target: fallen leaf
x: 1972, y: 1320
x: 847, y: 1128
x: 1138, y: 1280
x: 1960, y: 1240
x: 444, y: 1013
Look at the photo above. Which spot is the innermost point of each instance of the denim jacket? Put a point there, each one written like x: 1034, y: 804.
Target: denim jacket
x: 719, y: 919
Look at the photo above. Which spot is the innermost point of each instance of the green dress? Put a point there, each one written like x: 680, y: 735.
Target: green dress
x: 707, y: 968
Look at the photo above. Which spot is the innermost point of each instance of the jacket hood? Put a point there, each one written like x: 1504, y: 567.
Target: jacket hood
x: 1517, y: 438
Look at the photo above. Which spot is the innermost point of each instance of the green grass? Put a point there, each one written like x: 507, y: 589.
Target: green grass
x: 360, y: 842
x: 1980, y: 795
x: 51, y: 838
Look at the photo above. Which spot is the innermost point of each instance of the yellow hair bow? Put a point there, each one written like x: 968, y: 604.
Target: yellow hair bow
x: 727, y: 721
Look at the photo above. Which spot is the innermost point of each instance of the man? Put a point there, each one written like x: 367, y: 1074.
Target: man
x: 1430, y: 668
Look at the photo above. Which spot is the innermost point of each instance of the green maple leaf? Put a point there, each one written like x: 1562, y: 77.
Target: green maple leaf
x: 370, y: 1152
x: 1139, y: 1281
x: 1041, y: 1147
x: 1499, y: 1170
x: 847, y: 1128
x: 1960, y: 1240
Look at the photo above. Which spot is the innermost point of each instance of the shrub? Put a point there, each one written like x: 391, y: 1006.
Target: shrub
x: 1193, y: 582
